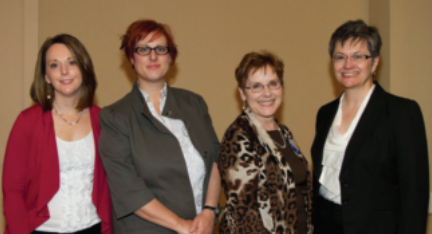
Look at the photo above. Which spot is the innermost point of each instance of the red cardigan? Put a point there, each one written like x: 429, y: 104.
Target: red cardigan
x: 31, y: 173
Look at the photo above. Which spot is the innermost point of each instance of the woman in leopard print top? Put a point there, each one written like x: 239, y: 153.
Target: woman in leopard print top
x: 265, y: 177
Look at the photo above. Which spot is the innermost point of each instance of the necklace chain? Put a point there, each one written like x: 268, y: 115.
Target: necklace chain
x: 73, y: 123
x: 283, y: 140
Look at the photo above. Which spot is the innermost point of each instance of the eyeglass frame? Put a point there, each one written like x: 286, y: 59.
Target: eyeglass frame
x: 152, y: 49
x: 350, y: 57
x: 265, y: 85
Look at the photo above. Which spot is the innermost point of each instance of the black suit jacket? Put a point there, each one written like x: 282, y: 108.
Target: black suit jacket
x: 143, y: 159
x: 384, y: 176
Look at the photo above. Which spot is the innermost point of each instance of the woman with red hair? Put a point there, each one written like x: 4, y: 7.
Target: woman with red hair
x: 158, y: 145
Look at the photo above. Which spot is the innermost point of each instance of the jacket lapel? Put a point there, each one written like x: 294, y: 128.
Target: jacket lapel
x: 139, y: 104
x: 320, y: 139
x: 365, y: 126
x: 173, y: 109
x: 50, y: 169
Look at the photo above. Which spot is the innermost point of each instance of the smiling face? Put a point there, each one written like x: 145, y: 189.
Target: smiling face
x: 62, y: 71
x: 263, y: 104
x: 354, y: 75
x: 151, y: 68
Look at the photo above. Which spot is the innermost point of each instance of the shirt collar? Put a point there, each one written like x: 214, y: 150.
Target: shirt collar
x: 365, y: 100
x: 146, y: 96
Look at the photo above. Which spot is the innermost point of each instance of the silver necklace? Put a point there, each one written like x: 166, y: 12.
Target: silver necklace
x: 73, y: 123
x: 283, y: 140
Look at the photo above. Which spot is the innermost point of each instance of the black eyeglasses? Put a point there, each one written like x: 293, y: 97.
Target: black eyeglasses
x: 355, y: 58
x: 146, y: 50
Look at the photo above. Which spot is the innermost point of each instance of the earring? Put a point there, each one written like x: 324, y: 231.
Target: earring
x: 244, y: 106
x: 48, y: 91
x: 373, y: 74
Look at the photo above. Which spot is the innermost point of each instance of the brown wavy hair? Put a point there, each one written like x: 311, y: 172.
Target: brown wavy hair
x: 253, y: 61
x: 40, y: 88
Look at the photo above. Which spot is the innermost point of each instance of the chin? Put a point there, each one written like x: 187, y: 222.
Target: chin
x: 155, y: 78
x: 266, y: 114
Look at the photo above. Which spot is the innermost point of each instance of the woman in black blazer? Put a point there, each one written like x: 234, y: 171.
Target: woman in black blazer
x: 370, y: 152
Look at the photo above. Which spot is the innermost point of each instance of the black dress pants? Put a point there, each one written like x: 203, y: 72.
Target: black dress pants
x: 328, y: 217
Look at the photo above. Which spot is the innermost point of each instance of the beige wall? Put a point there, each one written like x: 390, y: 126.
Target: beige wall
x: 18, y: 24
x: 11, y: 67
x: 410, y: 51
x: 212, y: 37
x: 379, y: 16
x: 406, y: 65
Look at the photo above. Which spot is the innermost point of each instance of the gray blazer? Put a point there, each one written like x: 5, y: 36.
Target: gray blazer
x: 143, y: 159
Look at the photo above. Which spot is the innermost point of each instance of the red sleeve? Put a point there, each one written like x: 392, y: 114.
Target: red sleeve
x: 15, y: 177
x: 100, y: 194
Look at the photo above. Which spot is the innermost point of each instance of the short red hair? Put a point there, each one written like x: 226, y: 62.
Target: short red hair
x: 140, y: 29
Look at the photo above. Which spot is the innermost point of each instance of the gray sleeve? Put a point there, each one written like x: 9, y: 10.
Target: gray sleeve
x: 128, y: 191
x: 210, y: 129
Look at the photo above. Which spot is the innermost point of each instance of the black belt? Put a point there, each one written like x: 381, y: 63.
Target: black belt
x: 95, y: 229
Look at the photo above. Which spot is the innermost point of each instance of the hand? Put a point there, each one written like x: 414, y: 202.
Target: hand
x: 184, y: 226
x: 203, y: 223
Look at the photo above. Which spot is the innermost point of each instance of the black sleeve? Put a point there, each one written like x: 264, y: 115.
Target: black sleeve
x: 413, y: 166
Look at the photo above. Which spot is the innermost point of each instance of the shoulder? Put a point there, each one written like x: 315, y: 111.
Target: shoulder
x: 31, y: 114
x: 121, y: 107
x: 238, y: 129
x: 400, y: 108
x: 328, y: 108
x: 395, y: 104
x: 94, y: 110
x: 118, y: 114
x: 237, y: 141
x: 402, y: 103
x: 183, y: 95
x: 188, y: 100
x: 29, y: 119
x: 33, y: 110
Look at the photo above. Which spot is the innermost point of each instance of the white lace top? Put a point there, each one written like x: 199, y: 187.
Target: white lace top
x: 194, y: 162
x: 71, y: 208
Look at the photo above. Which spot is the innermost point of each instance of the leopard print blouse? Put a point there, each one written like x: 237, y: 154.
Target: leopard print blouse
x: 258, y: 184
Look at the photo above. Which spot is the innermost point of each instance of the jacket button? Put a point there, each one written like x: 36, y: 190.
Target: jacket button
x: 344, y: 184
x: 345, y: 201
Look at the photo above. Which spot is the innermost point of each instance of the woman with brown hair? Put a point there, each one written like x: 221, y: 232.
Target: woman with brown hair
x: 53, y: 179
x: 265, y: 177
